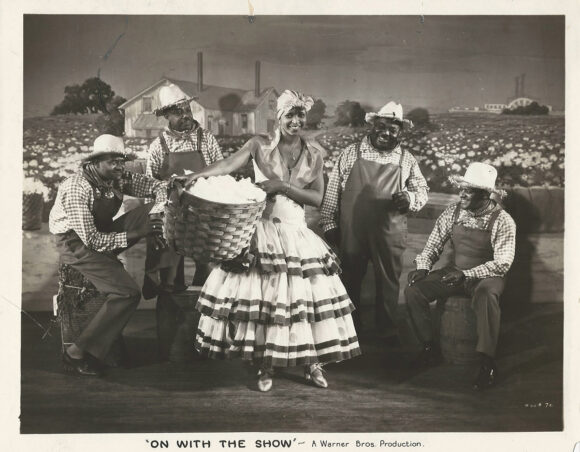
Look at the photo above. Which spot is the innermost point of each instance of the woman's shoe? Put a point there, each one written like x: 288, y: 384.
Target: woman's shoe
x: 315, y: 373
x: 265, y: 379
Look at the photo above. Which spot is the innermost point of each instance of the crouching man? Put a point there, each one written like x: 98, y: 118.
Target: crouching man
x: 88, y: 239
x: 483, y: 236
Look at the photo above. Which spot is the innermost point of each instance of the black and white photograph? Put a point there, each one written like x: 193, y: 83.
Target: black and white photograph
x: 251, y: 226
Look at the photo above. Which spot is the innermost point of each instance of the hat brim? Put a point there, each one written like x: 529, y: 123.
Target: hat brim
x: 404, y: 123
x: 128, y: 156
x: 161, y: 110
x: 459, y: 181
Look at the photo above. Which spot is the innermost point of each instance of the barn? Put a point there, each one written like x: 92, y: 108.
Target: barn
x: 223, y: 111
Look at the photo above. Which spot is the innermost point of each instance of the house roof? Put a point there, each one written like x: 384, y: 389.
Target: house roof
x: 214, y: 97
x: 149, y: 121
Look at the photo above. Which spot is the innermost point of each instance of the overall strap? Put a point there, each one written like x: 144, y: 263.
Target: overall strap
x: 358, y: 151
x: 456, y: 213
x: 493, y: 219
x: 199, y: 137
x: 163, y: 143
x: 402, y: 157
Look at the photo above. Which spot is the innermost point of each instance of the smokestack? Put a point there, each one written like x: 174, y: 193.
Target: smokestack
x: 257, y: 88
x: 522, y: 79
x: 199, y: 71
x: 517, y: 86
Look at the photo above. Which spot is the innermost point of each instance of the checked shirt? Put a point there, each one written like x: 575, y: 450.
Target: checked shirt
x: 74, y: 203
x: 503, y: 241
x: 415, y: 183
x: 210, y: 149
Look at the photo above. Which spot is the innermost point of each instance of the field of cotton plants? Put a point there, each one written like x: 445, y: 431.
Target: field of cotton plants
x: 527, y: 151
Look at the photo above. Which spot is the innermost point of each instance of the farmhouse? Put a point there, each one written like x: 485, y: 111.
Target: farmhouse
x: 223, y: 111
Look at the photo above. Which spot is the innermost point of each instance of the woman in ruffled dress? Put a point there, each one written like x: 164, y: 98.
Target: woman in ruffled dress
x: 290, y: 307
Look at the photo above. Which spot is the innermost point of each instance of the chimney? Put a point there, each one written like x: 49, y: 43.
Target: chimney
x: 517, y: 86
x: 257, y: 88
x: 522, y: 79
x: 199, y: 71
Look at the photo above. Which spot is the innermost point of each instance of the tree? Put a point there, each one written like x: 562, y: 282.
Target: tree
x: 315, y: 114
x: 90, y: 97
x: 349, y: 113
x: 113, y: 121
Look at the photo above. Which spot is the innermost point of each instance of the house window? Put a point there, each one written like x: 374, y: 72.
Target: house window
x: 147, y: 101
x: 244, y: 121
x: 272, y: 104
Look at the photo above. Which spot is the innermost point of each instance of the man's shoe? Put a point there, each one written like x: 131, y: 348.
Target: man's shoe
x: 486, y: 377
x: 79, y: 366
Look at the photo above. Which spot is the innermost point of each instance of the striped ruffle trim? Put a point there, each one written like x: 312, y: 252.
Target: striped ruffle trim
x: 283, y: 314
x: 271, y: 355
x: 327, y: 264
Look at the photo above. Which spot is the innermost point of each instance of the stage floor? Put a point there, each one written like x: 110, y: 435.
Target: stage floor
x: 375, y: 392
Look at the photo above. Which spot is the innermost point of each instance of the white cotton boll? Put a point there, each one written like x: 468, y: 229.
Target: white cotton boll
x: 225, y: 189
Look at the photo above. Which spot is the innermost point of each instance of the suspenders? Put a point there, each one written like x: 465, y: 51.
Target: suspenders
x: 166, y: 148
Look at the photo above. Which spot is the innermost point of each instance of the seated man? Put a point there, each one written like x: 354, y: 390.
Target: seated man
x: 88, y: 239
x: 483, y: 237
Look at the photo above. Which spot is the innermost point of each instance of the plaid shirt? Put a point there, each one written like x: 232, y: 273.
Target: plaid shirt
x: 503, y: 241
x: 413, y: 179
x: 210, y: 149
x: 74, y: 203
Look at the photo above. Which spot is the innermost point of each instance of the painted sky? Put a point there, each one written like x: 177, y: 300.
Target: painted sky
x: 430, y: 61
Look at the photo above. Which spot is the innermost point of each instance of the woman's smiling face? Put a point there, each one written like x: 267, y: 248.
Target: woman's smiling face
x: 293, y: 121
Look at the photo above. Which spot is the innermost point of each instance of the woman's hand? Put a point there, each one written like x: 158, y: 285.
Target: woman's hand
x: 273, y: 186
x: 190, y: 179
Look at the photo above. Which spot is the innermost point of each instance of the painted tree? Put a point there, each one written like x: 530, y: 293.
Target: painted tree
x: 90, y: 97
x: 349, y: 113
x: 315, y: 114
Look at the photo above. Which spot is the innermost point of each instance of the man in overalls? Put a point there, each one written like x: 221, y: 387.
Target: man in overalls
x: 183, y: 146
x: 89, y: 240
x: 371, y: 188
x: 483, y: 236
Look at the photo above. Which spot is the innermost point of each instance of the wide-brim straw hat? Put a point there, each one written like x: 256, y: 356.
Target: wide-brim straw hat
x: 391, y: 110
x: 106, y: 145
x: 170, y: 96
x: 478, y: 175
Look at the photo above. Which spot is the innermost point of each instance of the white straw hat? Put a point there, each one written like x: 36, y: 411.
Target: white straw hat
x: 391, y: 110
x: 478, y: 175
x: 108, y: 145
x: 171, y: 95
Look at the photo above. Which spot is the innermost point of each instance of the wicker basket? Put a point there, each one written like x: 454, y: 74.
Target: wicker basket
x: 210, y: 231
x: 78, y: 301
x: 32, y: 207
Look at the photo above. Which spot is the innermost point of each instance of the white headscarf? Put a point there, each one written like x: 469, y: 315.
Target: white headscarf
x: 290, y: 99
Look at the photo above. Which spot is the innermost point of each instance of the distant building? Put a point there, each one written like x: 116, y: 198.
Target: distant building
x: 494, y: 108
x: 223, y: 111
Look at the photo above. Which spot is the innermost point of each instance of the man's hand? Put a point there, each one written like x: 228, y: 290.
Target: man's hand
x: 402, y: 201
x: 453, y: 278
x: 332, y: 236
x: 416, y: 275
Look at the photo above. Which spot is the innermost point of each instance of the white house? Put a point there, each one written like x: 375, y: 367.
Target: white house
x: 223, y: 111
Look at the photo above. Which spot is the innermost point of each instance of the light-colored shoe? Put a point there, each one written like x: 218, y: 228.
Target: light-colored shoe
x: 315, y: 373
x: 265, y: 379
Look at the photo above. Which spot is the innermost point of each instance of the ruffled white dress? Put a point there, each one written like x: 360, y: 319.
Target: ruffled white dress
x: 289, y: 309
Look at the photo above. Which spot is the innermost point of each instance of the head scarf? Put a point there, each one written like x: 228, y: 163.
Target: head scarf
x: 290, y: 99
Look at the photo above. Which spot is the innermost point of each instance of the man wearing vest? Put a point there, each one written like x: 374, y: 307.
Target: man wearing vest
x: 371, y: 188
x: 483, y: 236
x: 89, y: 240
x: 183, y: 146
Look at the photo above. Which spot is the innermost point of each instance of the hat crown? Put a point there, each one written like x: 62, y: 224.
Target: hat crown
x: 109, y: 143
x: 391, y: 110
x: 481, y: 174
x: 171, y: 94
